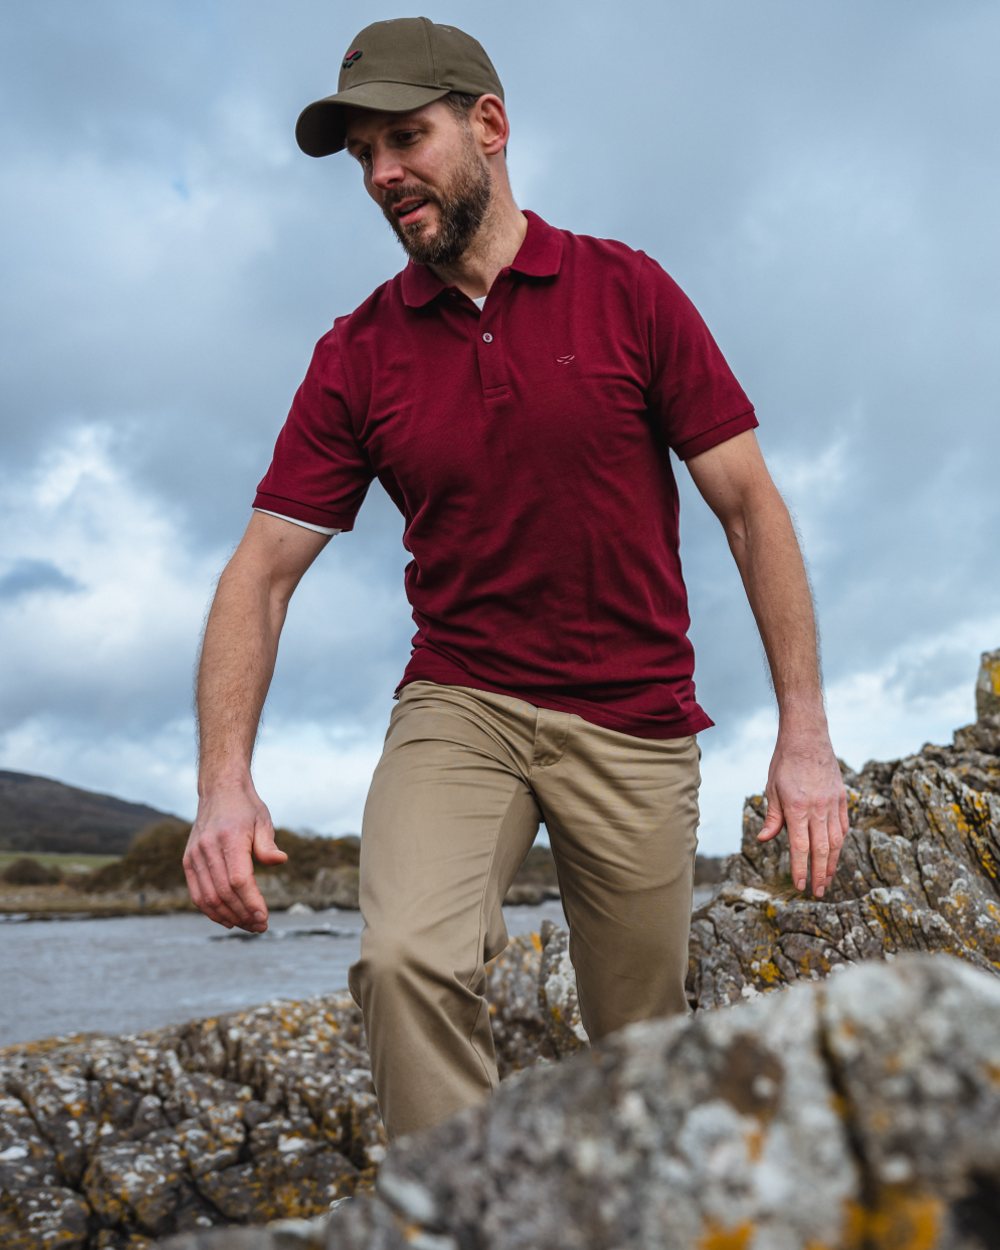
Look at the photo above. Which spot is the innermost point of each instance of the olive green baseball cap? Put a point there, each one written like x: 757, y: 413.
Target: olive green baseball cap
x: 395, y: 67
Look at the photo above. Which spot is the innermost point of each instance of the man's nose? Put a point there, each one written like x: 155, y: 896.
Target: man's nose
x: 386, y: 170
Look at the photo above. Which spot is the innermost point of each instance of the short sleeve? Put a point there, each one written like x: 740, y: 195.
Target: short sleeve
x: 319, y: 473
x: 692, y: 391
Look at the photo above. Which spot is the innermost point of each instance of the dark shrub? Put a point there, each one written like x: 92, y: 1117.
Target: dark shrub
x: 153, y: 861
x: 28, y: 871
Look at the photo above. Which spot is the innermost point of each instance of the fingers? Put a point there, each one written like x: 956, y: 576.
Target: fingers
x: 819, y: 851
x: 797, y: 824
x: 265, y: 849
x: 206, y: 886
x: 244, y: 896
x: 838, y: 827
x: 219, y: 872
x: 774, y: 820
x: 811, y: 803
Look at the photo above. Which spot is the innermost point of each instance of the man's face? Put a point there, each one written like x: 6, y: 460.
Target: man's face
x: 426, y: 173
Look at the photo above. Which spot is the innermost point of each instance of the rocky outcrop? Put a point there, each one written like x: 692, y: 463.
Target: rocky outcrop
x: 988, y: 686
x: 240, y: 1119
x: 919, y: 870
x: 847, y: 1107
x: 859, y: 1113
x: 110, y: 1141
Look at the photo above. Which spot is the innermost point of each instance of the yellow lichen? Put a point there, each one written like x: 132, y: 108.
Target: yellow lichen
x: 900, y: 1220
x: 841, y: 1107
x: 769, y: 972
x: 715, y: 1237
x: 755, y: 1144
x: 959, y: 816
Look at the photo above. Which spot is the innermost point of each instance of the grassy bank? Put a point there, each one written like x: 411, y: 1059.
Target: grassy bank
x: 63, y: 862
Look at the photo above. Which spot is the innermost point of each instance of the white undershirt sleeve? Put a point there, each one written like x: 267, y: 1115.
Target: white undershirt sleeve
x: 307, y: 525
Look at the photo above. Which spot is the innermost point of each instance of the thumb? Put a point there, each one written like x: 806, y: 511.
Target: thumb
x: 265, y: 849
x: 773, y: 821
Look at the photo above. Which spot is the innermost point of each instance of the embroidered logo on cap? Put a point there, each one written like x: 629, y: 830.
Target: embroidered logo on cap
x: 350, y: 59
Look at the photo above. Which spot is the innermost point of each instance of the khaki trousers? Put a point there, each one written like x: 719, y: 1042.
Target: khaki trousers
x: 455, y: 802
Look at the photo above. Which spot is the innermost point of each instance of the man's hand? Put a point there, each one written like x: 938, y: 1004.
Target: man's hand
x: 232, y: 829
x: 805, y: 793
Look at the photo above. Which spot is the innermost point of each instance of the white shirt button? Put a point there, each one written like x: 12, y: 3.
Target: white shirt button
x: 487, y: 337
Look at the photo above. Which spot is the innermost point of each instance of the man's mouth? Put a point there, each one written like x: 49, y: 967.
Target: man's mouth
x: 409, y: 210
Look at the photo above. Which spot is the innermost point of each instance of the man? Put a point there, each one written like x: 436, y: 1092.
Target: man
x: 517, y: 390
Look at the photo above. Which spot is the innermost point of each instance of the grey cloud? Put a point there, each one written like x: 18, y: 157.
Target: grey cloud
x: 27, y: 577
x: 814, y: 176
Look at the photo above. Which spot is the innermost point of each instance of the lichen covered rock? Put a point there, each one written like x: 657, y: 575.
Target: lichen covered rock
x: 988, y: 686
x: 858, y: 1113
x: 244, y: 1119
x: 919, y: 870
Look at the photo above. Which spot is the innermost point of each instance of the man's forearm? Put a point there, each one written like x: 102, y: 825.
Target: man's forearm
x: 234, y: 673
x: 767, y: 553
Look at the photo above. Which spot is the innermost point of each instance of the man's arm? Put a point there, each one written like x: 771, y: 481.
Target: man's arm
x: 805, y: 791
x: 237, y: 661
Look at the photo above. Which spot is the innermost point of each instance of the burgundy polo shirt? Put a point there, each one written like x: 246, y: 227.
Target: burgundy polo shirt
x: 527, y: 447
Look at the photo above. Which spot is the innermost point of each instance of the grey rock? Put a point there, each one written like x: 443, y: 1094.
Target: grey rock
x: 557, y: 996
x: 245, y: 1118
x: 919, y: 870
x: 988, y: 686
x: 871, y: 1089
x: 858, y: 1112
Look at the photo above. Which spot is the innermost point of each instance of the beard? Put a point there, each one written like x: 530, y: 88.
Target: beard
x: 462, y: 208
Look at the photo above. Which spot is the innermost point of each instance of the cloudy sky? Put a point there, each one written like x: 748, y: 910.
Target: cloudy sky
x: 821, y: 178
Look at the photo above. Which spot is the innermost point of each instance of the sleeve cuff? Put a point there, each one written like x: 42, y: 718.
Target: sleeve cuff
x: 717, y: 434
x: 292, y: 510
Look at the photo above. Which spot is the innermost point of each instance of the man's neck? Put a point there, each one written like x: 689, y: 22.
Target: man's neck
x: 494, y: 248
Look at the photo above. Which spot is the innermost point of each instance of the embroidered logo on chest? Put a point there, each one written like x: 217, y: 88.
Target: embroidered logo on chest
x: 564, y: 360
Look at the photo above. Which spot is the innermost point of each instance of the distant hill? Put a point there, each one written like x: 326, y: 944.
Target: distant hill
x: 38, y: 814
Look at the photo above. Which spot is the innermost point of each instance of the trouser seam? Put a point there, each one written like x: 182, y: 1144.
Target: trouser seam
x: 480, y: 937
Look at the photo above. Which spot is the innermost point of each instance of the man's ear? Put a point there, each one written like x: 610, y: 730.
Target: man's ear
x: 490, y: 124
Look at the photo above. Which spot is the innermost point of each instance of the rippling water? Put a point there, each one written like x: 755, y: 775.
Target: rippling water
x: 132, y: 973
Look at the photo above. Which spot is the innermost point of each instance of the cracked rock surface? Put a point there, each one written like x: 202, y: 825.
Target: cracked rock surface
x: 858, y: 1113
x: 919, y: 871
x: 793, y: 1110
x: 247, y: 1118
x: 111, y: 1141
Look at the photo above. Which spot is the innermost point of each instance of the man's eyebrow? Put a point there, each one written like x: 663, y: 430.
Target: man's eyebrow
x: 405, y: 122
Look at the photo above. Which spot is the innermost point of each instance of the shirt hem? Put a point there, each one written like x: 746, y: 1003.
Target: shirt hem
x: 691, y: 723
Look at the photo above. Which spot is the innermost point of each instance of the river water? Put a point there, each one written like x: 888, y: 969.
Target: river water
x: 132, y: 973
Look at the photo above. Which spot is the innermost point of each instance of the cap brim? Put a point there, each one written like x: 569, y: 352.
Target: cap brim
x: 320, y: 130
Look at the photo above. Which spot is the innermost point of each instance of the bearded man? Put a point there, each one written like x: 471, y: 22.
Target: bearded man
x: 517, y: 390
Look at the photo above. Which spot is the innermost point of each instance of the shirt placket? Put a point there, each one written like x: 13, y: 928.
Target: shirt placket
x: 491, y: 344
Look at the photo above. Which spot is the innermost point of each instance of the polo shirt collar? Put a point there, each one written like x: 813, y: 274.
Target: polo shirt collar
x: 539, y: 255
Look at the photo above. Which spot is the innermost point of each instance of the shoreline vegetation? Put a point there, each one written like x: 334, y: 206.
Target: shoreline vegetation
x: 148, y: 879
